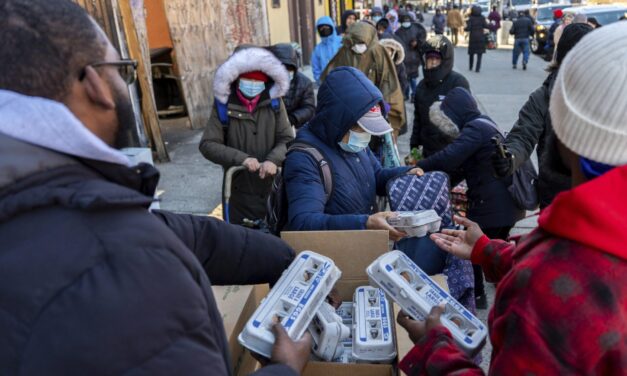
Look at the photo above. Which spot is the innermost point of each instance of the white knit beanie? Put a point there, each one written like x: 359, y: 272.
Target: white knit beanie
x: 589, y: 100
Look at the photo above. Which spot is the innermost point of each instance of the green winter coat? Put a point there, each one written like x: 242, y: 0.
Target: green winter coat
x: 376, y: 64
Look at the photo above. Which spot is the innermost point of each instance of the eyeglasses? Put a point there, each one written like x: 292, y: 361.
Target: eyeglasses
x: 126, y: 67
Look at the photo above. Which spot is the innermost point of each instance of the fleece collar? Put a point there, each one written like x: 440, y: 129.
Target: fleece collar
x: 592, y: 214
x: 51, y: 125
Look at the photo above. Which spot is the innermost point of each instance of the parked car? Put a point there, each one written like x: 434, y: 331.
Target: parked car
x: 543, y: 15
x: 604, y: 14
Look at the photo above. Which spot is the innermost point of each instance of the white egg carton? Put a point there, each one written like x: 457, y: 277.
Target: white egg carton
x: 346, y: 356
x: 373, y: 335
x: 416, y: 223
x: 417, y: 293
x: 328, y: 332
x: 293, y: 301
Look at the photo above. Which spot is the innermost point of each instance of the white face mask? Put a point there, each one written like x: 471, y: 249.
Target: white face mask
x: 291, y: 74
x: 406, y: 25
x: 360, y: 48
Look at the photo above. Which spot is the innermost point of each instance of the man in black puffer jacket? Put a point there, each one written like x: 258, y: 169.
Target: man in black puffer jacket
x: 534, y: 128
x: 91, y: 281
x: 300, y: 100
x: 522, y: 30
x: 439, y: 78
x: 413, y: 36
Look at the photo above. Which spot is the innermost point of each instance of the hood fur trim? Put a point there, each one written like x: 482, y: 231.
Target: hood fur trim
x: 442, y: 122
x: 248, y: 60
x: 397, y: 47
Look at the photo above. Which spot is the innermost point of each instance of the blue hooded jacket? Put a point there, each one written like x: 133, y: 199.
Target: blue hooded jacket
x: 357, y: 177
x: 491, y: 205
x: 326, y: 49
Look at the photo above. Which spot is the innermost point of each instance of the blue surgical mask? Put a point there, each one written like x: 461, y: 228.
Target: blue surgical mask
x: 406, y: 25
x: 291, y: 74
x: 357, y: 141
x: 251, y: 88
x: 377, y: 18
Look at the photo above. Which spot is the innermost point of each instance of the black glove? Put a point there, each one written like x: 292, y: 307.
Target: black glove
x: 502, y: 161
x: 293, y: 120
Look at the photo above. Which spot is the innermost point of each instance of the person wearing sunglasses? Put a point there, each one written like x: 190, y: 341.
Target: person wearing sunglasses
x: 91, y: 281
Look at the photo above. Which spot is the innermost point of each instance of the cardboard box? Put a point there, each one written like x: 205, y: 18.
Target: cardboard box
x: 236, y: 304
x: 352, y: 252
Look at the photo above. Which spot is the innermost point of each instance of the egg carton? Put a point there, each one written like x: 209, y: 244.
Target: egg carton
x: 346, y: 356
x: 417, y: 293
x: 373, y: 335
x: 328, y: 332
x: 292, y: 302
x: 416, y: 223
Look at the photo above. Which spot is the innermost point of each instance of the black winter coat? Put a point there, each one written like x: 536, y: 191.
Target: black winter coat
x: 300, y: 100
x: 416, y: 33
x: 522, y: 28
x: 424, y: 133
x: 534, y: 128
x: 490, y: 203
x: 92, y: 283
x: 476, y: 25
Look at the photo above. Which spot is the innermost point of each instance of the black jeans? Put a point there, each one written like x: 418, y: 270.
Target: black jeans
x: 471, y: 60
x: 492, y: 233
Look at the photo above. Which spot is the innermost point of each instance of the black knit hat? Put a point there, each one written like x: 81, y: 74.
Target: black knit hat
x: 570, y: 36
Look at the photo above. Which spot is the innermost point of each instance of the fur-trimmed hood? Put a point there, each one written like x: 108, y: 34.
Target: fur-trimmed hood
x: 396, y: 47
x: 248, y: 60
x: 442, y: 122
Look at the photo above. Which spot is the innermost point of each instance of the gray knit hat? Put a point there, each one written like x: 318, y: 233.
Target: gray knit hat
x: 589, y: 100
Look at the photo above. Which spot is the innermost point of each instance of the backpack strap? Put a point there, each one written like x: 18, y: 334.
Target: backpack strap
x: 323, y: 165
x: 223, y: 114
x: 275, y: 103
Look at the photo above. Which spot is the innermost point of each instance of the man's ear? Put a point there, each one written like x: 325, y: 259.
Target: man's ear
x: 97, y: 89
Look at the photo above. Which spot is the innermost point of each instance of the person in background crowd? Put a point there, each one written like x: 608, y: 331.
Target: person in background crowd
x: 92, y: 281
x: 386, y: 9
x: 476, y: 45
x: 376, y: 14
x: 561, y: 297
x: 300, y: 100
x: 549, y: 49
x: 349, y: 17
x: 362, y: 50
x: 592, y: 21
x: 383, y: 29
x: 412, y: 36
x: 392, y: 16
x: 341, y: 130
x: 439, y: 78
x: 567, y: 19
x: 533, y: 129
x: 580, y: 18
x: 397, y: 54
x: 490, y: 203
x: 419, y: 17
x: 327, y: 48
x: 439, y: 22
x: 256, y: 132
x: 455, y: 22
x: 495, y: 23
x: 522, y: 30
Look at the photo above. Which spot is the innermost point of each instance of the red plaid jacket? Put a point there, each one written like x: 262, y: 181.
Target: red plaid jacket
x: 561, y: 302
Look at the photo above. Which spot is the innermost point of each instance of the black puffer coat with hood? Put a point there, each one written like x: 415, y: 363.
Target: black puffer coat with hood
x: 92, y: 282
x: 412, y: 39
x: 300, y: 100
x: 436, y: 84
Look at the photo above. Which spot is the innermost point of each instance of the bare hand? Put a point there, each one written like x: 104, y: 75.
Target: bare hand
x: 293, y: 354
x: 252, y: 164
x: 460, y: 243
x: 267, y: 168
x: 416, y: 171
x: 379, y: 221
x: 418, y: 329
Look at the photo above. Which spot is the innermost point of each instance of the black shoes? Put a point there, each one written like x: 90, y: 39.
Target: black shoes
x: 514, y: 66
x: 481, y: 301
x: 524, y: 66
